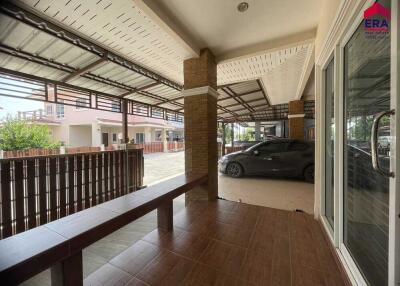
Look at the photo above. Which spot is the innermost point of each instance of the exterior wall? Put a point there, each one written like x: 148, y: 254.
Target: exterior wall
x: 80, y: 136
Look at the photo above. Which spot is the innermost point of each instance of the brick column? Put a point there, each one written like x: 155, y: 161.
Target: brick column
x: 200, y: 103
x: 296, y: 119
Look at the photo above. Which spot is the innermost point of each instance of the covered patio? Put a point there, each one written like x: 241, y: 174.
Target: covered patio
x: 88, y: 219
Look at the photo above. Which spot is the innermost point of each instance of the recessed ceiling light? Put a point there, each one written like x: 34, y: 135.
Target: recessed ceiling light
x: 242, y: 7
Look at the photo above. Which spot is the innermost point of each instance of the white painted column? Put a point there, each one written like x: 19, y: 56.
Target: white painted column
x: 96, y: 134
x: 164, y: 139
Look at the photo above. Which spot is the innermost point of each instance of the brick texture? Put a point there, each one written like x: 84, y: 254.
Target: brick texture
x: 201, y: 125
x: 296, y: 124
x: 200, y: 71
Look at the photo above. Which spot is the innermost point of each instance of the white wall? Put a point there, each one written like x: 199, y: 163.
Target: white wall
x: 80, y: 136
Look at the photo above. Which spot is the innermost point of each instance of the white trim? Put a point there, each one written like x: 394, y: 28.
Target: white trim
x: 306, y: 72
x: 200, y: 91
x: 329, y: 41
x: 296, y: 115
x: 394, y: 183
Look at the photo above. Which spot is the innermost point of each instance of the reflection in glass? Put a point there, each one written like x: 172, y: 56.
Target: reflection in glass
x: 329, y: 142
x: 366, y: 193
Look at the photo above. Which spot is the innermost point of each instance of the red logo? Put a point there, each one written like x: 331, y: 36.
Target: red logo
x: 376, y: 18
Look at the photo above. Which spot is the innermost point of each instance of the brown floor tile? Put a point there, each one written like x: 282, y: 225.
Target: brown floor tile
x: 227, y: 243
x: 225, y: 257
x: 281, y: 274
x: 257, y: 266
x: 205, y: 276
x: 166, y: 269
x: 136, y: 257
x: 190, y: 245
x: 107, y: 275
x: 162, y: 238
x: 229, y: 233
x: 304, y: 276
x: 136, y: 282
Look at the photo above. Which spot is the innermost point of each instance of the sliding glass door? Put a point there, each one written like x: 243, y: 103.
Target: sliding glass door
x: 366, y: 187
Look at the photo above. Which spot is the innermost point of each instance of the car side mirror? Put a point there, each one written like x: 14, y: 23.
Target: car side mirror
x: 255, y: 152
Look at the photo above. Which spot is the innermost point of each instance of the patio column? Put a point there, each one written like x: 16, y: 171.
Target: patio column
x: 257, y: 133
x: 223, y: 139
x: 296, y: 119
x: 164, y: 139
x: 125, y: 138
x: 200, y: 103
x: 232, y: 134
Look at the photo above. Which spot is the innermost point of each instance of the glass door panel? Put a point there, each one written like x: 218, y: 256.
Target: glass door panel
x: 366, y: 192
x: 329, y: 142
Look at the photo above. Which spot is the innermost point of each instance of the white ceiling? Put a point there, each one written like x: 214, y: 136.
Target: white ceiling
x: 219, y: 26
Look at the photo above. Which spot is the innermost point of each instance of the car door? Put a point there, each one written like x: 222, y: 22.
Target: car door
x: 298, y: 155
x: 266, y: 158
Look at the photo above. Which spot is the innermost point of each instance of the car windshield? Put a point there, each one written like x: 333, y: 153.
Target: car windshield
x: 253, y: 147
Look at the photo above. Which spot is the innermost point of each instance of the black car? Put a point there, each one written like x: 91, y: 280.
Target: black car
x: 278, y: 157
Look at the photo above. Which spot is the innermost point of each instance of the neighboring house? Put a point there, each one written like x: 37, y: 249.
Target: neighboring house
x: 75, y: 126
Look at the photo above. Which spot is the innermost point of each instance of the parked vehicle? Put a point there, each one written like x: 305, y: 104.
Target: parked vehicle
x: 278, y: 157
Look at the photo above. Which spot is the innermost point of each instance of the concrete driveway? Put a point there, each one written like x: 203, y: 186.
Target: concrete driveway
x: 275, y: 193
x: 268, y: 192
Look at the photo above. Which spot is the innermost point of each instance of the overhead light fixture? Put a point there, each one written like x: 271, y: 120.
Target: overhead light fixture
x: 242, y: 7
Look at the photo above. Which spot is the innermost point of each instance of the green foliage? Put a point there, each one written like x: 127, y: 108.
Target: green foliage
x: 16, y: 134
x: 248, y: 135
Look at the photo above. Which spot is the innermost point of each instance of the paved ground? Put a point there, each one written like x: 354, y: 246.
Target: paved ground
x: 160, y: 166
x: 267, y: 192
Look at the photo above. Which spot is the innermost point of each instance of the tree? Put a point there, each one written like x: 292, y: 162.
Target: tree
x: 248, y: 135
x: 16, y: 134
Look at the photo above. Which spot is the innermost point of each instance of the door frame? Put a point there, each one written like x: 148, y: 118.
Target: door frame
x: 394, y: 183
x: 394, y: 190
x: 329, y: 230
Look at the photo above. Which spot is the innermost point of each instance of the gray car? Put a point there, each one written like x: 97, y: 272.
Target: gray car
x: 278, y: 158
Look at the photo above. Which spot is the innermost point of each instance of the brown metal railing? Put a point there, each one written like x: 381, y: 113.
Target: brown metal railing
x: 40, y: 189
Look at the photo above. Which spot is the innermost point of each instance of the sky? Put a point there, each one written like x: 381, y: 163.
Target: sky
x: 10, y: 105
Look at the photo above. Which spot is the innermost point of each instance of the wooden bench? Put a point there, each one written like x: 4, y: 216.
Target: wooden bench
x: 59, y: 244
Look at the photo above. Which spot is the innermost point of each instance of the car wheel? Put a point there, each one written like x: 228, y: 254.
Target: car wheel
x: 234, y: 170
x: 309, y: 174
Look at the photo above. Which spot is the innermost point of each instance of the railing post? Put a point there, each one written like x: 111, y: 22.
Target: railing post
x: 165, y: 216
x: 68, y: 272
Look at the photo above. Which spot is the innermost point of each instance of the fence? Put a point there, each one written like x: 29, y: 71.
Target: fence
x: 176, y: 146
x: 48, y: 152
x: 37, y: 190
x: 151, y: 147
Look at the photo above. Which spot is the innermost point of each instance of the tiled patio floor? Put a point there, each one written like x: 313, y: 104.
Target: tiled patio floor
x: 227, y: 243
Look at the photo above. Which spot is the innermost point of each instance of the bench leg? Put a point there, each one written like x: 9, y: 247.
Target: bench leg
x: 165, y: 216
x: 68, y: 272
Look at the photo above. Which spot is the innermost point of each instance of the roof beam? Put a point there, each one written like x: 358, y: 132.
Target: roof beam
x: 171, y: 100
x: 234, y: 95
x: 85, y: 69
x: 159, y: 14
x: 62, y: 67
x: 263, y: 92
x: 51, y: 28
x: 306, y: 72
x: 140, y: 89
x: 303, y: 38
x: 239, y: 94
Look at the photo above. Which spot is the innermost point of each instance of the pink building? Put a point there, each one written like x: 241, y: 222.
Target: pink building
x: 76, y: 126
